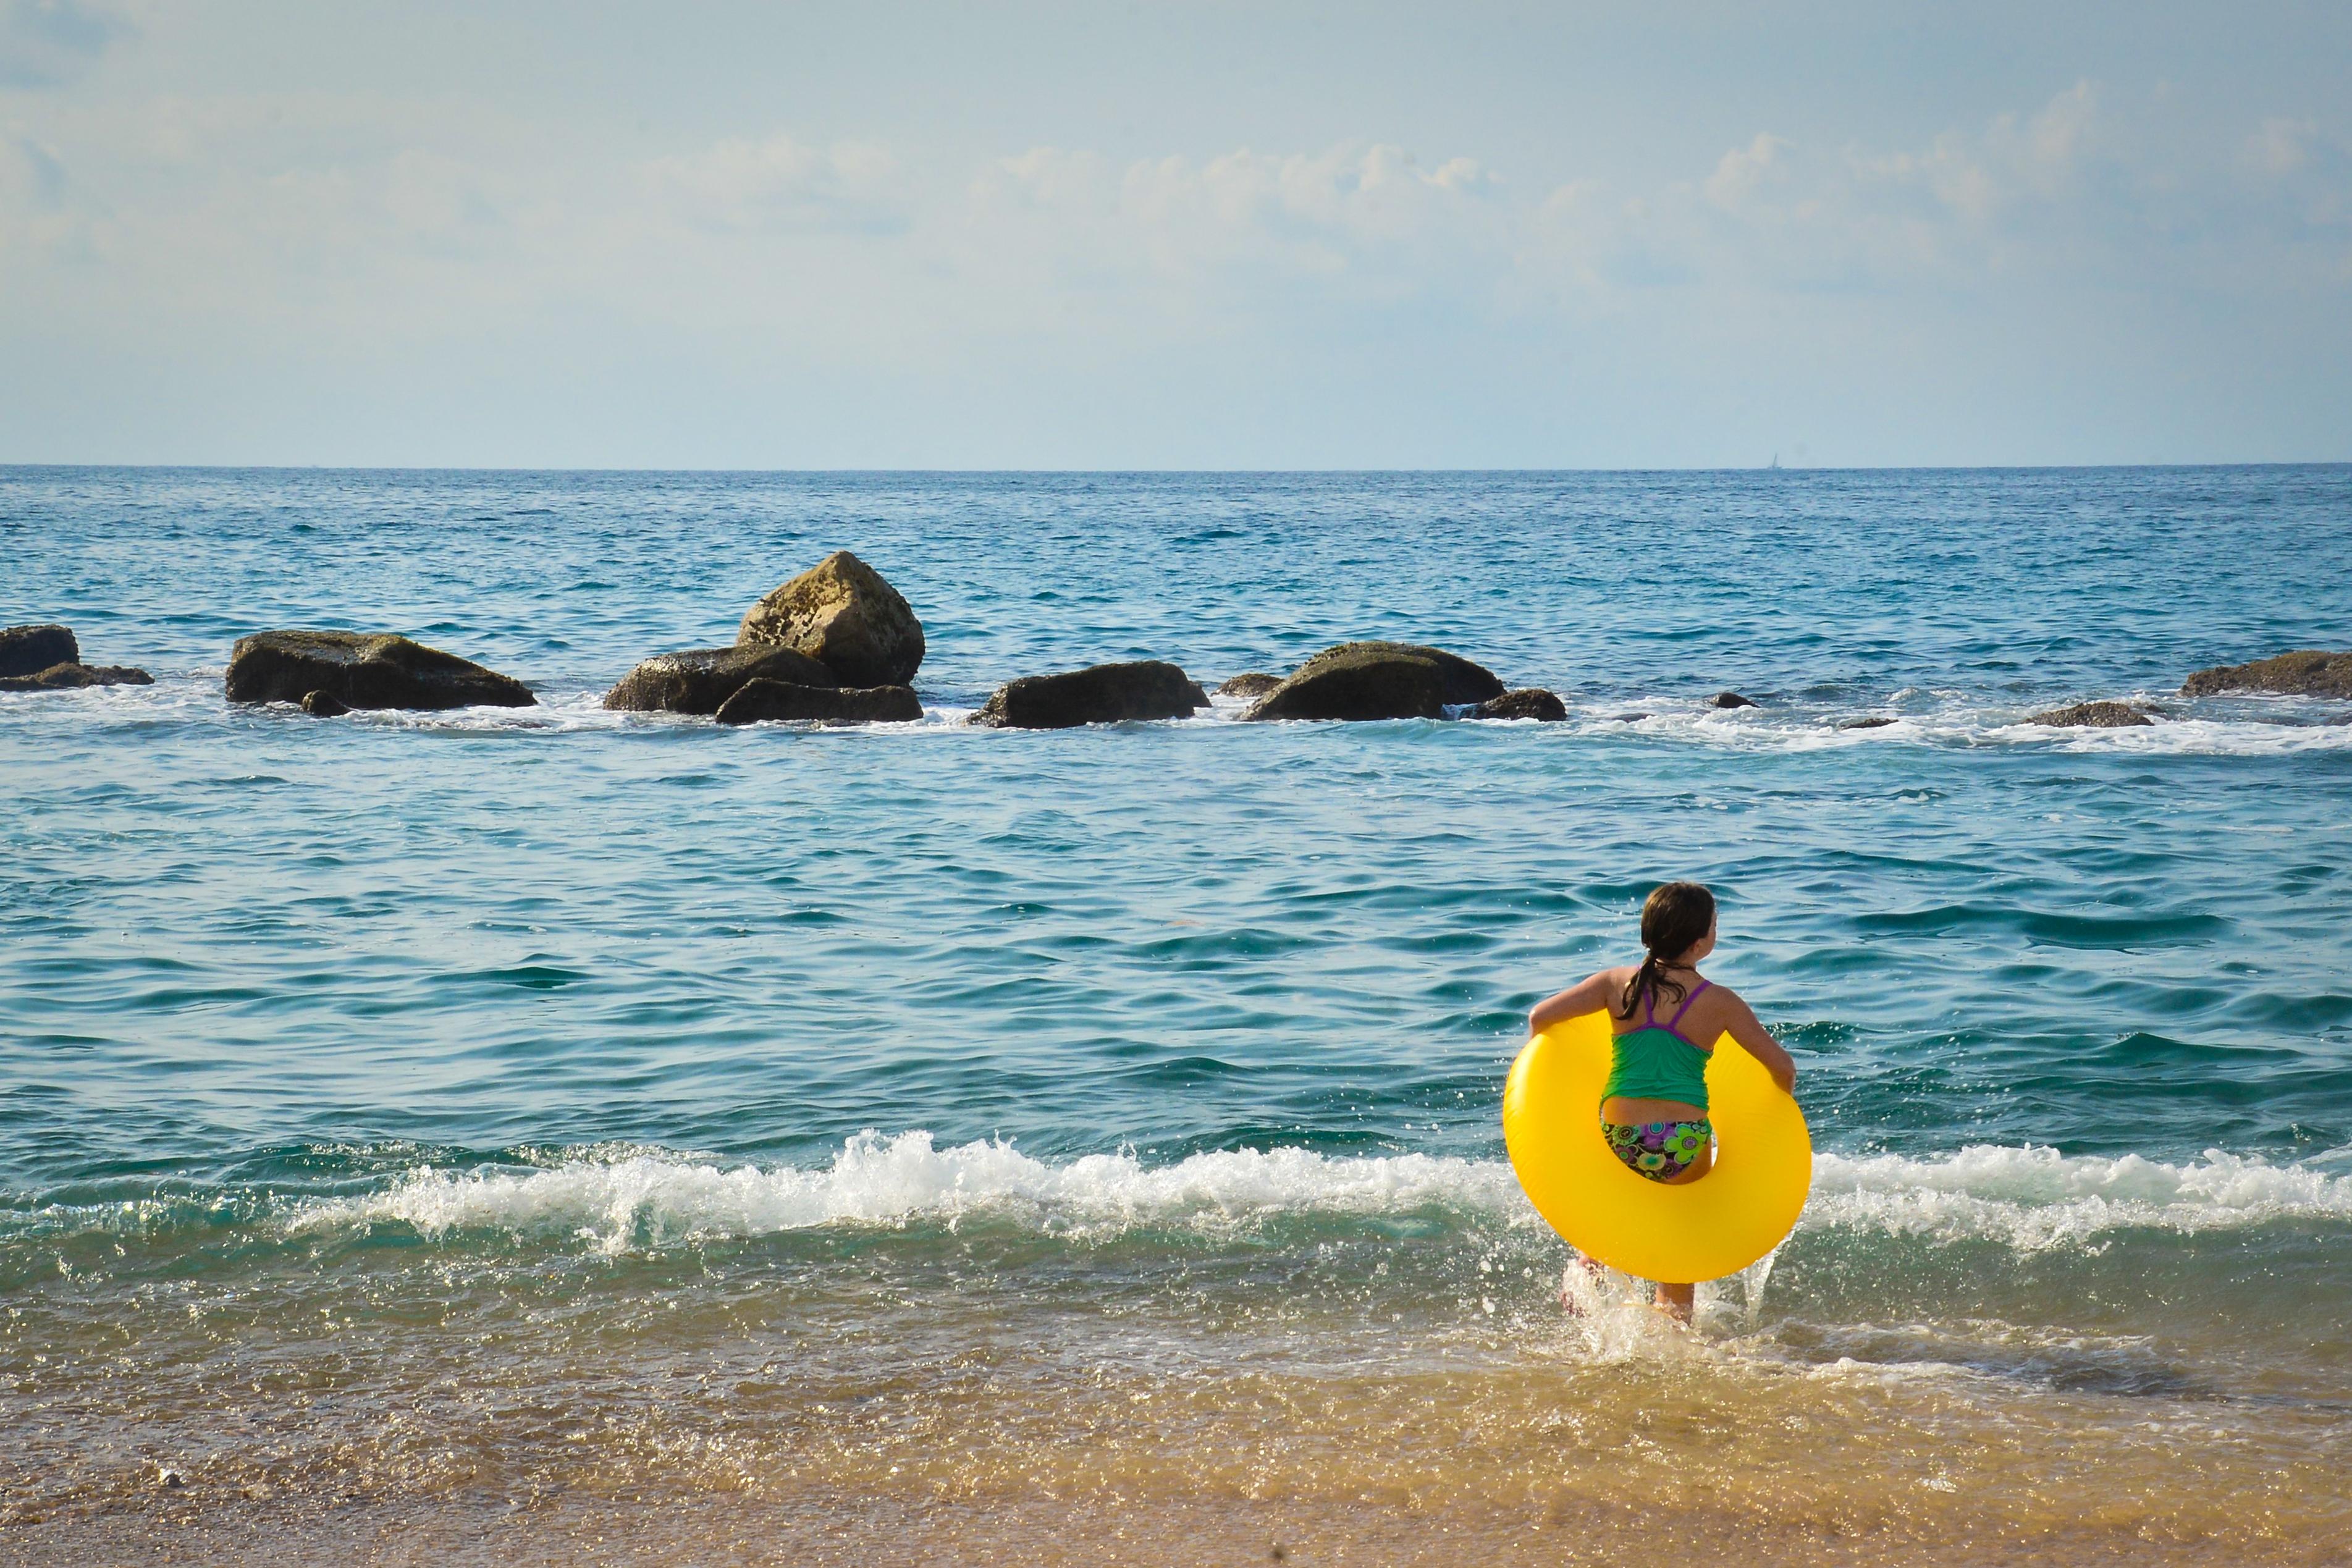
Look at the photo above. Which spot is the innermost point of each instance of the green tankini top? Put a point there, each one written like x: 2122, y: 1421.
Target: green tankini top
x: 1655, y: 1062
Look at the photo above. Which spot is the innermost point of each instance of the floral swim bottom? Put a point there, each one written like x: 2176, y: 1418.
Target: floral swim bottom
x: 1658, y: 1150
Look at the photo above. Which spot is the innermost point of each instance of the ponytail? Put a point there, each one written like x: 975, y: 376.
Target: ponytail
x: 1675, y: 918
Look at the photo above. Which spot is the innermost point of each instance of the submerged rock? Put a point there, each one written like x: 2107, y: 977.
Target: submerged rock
x: 1099, y: 694
x: 364, y: 669
x: 324, y: 705
x: 2307, y: 672
x: 1729, y: 699
x: 28, y: 650
x: 1464, y: 682
x: 1873, y: 724
x: 1256, y: 683
x: 764, y: 700
x: 68, y: 677
x: 701, y: 679
x: 843, y: 615
x: 1366, y: 680
x: 2094, y: 715
x: 1528, y: 702
x: 1380, y: 686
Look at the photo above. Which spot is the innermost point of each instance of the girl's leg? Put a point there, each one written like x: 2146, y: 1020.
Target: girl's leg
x: 1675, y: 1301
x: 1566, y: 1300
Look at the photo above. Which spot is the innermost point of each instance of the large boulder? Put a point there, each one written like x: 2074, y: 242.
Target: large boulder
x: 362, y: 669
x: 843, y: 615
x: 1362, y: 680
x: 67, y: 676
x: 1463, y: 681
x: 28, y: 650
x: 2307, y: 672
x: 701, y: 679
x: 2094, y: 716
x: 760, y: 701
x: 1099, y: 694
x: 1529, y: 703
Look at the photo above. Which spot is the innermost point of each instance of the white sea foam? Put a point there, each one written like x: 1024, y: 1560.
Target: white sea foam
x: 886, y: 1181
x: 2034, y: 1199
x: 1964, y: 719
x: 2238, y: 726
x: 2027, y: 1198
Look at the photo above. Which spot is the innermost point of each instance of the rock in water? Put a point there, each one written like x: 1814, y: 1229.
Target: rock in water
x: 1099, y: 694
x: 28, y: 650
x: 1464, y: 682
x: 67, y: 677
x: 1871, y: 723
x: 323, y: 705
x: 701, y: 679
x: 2307, y: 672
x: 760, y: 701
x: 1528, y: 702
x: 2095, y: 716
x: 1362, y: 680
x: 362, y: 669
x: 843, y: 615
x: 1256, y: 683
x: 1729, y: 699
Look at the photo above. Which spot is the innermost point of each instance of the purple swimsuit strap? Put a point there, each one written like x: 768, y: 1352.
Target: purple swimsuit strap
x: 1676, y: 1022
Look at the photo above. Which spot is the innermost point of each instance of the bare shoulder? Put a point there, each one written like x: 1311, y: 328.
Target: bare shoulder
x: 1613, y: 983
x: 1721, y: 1002
x: 1722, y: 995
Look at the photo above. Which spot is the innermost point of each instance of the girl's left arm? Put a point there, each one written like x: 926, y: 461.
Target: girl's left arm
x: 1589, y: 994
x: 1758, y: 1042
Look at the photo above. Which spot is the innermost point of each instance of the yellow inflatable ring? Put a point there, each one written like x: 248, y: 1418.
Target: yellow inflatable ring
x: 1718, y: 1224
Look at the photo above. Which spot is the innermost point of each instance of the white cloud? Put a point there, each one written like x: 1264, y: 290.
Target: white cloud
x: 1360, y: 214
x: 2281, y: 146
x: 783, y: 184
x: 1745, y: 170
x: 2077, y: 192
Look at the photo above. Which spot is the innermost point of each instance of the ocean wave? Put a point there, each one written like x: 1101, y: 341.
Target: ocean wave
x: 1969, y: 719
x: 2035, y: 1199
x: 2030, y: 1199
x: 876, y: 1180
x: 1955, y: 718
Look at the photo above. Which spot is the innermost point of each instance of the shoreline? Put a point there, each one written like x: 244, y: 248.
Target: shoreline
x: 870, y: 1530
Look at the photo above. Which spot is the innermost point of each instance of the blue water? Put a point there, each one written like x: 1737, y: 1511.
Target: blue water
x: 358, y: 1014
x: 227, y: 931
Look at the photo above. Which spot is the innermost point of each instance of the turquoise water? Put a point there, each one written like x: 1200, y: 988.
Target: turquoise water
x: 410, y: 1007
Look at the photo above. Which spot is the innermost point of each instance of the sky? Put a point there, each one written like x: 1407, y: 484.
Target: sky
x: 1183, y: 236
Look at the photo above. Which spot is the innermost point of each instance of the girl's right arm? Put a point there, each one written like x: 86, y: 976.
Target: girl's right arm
x: 1590, y: 994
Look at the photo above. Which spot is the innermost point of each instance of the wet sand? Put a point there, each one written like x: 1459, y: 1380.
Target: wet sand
x: 849, y: 1528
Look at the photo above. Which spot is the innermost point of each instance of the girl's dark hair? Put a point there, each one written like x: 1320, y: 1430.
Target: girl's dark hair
x: 1674, y: 920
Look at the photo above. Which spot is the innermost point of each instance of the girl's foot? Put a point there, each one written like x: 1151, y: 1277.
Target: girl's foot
x: 1567, y: 1279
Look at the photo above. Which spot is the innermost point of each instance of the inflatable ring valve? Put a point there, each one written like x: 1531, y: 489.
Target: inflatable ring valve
x: 1740, y: 1210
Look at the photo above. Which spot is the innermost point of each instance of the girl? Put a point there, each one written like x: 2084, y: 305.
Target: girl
x: 1654, y: 1107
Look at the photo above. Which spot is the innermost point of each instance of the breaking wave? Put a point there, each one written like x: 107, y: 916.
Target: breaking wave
x: 2031, y: 1199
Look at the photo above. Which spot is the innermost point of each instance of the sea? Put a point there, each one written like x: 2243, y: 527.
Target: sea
x: 555, y: 1134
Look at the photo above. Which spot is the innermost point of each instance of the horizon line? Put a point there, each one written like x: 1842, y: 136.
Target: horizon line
x: 12, y: 466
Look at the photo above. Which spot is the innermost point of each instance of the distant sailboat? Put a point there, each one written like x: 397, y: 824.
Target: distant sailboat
x: 1775, y: 462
